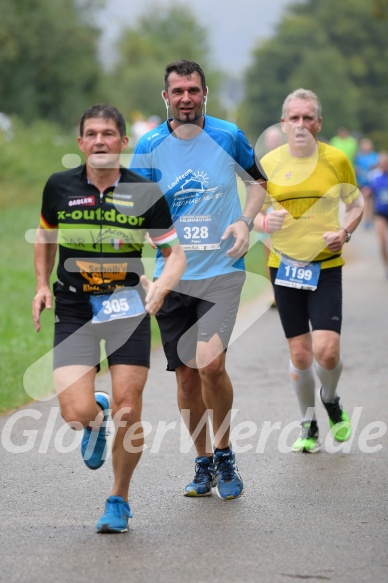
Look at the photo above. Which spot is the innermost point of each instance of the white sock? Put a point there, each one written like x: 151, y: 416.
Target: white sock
x: 329, y: 381
x: 303, y: 382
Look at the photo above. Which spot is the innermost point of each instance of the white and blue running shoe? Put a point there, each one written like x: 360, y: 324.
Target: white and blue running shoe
x: 93, y: 444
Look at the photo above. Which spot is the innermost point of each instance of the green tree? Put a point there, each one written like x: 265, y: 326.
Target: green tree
x: 48, y: 58
x: 158, y: 38
x: 327, y: 47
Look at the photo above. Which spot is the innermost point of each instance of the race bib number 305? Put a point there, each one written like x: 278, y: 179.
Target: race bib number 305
x: 297, y: 275
x: 116, y: 306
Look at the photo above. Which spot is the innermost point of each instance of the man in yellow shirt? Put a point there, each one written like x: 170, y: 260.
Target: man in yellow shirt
x: 307, y: 180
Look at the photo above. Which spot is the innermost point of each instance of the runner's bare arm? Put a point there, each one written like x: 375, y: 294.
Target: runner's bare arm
x: 45, y: 248
x: 352, y: 217
x: 255, y: 197
x: 174, y: 267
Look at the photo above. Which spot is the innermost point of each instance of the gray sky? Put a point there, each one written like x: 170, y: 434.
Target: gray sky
x: 234, y: 27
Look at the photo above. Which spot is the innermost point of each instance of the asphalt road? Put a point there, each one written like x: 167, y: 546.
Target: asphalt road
x: 320, y: 517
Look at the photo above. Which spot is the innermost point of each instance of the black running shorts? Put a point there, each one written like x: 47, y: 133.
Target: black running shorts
x: 195, y: 311
x: 78, y: 341
x: 321, y: 308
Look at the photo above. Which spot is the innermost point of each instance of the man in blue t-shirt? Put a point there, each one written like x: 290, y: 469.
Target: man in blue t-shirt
x: 366, y: 160
x: 378, y: 183
x: 194, y: 159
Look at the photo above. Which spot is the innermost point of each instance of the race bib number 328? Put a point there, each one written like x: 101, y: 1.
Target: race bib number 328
x: 198, y: 232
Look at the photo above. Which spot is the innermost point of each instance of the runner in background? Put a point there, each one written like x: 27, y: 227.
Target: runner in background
x: 366, y: 160
x: 307, y: 180
x: 378, y: 187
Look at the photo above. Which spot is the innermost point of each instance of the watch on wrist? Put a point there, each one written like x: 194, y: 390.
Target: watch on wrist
x: 248, y: 221
x: 348, y: 236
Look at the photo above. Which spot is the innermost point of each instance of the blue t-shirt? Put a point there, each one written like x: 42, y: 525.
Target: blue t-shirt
x: 364, y: 163
x: 379, y: 186
x: 198, y: 178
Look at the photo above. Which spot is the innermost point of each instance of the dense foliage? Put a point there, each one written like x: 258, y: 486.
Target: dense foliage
x: 158, y: 38
x: 48, y: 58
x: 337, y: 49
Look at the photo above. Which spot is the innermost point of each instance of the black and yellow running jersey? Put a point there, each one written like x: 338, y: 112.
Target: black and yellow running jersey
x: 101, y: 234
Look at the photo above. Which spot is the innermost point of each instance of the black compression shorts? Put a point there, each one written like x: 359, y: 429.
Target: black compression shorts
x: 321, y: 308
x: 382, y: 216
x: 205, y: 307
x: 77, y: 340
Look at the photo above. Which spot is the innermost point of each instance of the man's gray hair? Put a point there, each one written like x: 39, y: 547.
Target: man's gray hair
x: 303, y: 94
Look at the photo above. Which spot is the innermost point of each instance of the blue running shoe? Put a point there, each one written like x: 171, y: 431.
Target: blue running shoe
x: 93, y: 444
x: 116, y: 517
x: 204, y: 479
x: 229, y: 482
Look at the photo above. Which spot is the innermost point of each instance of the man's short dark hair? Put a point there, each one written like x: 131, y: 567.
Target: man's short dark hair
x: 183, y: 68
x: 107, y: 112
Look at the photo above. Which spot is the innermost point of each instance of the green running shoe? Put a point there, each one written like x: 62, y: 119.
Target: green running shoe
x: 339, y: 421
x: 308, y: 440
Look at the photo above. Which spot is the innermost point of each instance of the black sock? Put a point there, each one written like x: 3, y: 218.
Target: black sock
x: 223, y: 449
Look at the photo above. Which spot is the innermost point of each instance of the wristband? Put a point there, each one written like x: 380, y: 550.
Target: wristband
x: 264, y: 223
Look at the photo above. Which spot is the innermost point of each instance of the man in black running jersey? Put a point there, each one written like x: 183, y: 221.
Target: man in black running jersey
x: 97, y: 215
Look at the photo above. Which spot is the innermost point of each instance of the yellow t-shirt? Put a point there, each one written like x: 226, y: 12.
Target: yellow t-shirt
x: 310, y: 189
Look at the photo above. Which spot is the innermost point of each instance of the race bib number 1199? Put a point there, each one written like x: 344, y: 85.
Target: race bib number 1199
x: 299, y: 276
